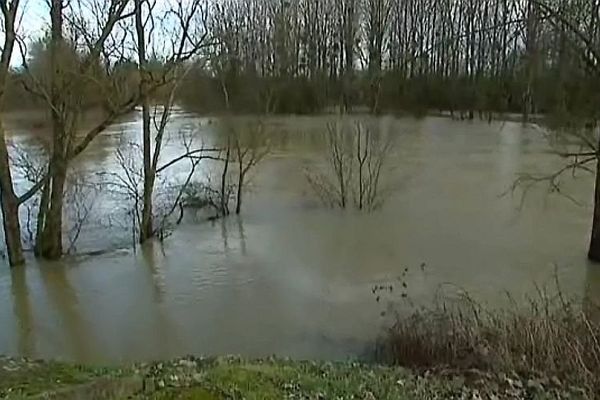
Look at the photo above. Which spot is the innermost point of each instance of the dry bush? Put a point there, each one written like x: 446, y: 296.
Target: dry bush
x: 550, y: 338
x: 206, y: 194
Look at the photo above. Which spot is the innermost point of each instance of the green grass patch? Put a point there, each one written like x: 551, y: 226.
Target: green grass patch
x: 236, y: 379
x: 23, y: 378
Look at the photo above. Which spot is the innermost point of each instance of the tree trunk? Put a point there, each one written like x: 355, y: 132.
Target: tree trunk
x: 146, y: 225
x: 241, y: 175
x: 240, y: 188
x: 224, y: 192
x: 50, y: 240
x: 8, y: 199
x: 594, y: 251
x: 12, y: 228
x: 10, y: 209
x: 41, y: 217
x: 238, y: 207
x: 531, y: 57
x: 51, y: 246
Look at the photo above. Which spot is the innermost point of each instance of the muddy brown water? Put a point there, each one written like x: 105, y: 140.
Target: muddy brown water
x: 291, y: 277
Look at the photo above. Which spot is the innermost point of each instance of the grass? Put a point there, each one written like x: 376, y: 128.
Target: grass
x: 254, y: 381
x: 237, y: 379
x: 278, y: 379
x: 22, y: 378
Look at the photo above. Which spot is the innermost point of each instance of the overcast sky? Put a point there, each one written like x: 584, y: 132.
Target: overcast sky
x: 35, y: 20
x: 35, y: 16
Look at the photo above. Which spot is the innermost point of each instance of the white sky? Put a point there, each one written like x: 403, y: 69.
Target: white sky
x: 34, y: 17
x: 35, y: 21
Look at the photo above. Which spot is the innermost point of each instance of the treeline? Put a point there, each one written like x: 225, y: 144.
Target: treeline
x: 119, y: 76
x: 468, y: 56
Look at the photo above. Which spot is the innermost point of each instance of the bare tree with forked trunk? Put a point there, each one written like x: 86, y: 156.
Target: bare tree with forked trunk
x: 76, y: 67
x: 184, y: 22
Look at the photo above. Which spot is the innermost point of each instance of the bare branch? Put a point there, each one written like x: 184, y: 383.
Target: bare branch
x: 192, y: 154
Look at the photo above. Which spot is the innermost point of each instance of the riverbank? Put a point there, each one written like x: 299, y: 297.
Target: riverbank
x: 233, y: 378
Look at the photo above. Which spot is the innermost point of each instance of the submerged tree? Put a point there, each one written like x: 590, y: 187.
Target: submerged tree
x: 575, y: 135
x: 250, y: 149
x: 8, y: 198
x: 355, y: 165
x: 185, y: 25
x: 71, y: 71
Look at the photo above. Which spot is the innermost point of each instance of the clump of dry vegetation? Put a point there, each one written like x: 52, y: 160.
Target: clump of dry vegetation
x: 551, y: 341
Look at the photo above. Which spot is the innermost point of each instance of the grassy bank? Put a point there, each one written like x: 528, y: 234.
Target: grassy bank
x: 212, y: 379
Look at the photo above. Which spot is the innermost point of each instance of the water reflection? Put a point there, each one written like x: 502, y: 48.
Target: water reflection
x: 224, y: 235
x: 63, y: 300
x: 23, y: 312
x: 242, y: 235
x: 153, y: 256
x: 161, y: 333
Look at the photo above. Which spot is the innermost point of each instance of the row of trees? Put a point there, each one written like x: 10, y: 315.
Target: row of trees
x: 458, y: 55
x: 465, y: 56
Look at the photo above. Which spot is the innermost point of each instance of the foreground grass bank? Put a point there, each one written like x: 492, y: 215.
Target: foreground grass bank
x: 213, y: 379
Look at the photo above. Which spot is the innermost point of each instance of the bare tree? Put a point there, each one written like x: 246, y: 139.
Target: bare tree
x: 579, y: 143
x: 356, y: 160
x: 9, y: 199
x: 250, y: 149
x: 74, y: 61
x: 376, y: 27
x: 80, y: 197
x: 185, y: 24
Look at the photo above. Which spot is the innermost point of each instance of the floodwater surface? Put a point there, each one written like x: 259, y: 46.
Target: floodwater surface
x: 291, y: 277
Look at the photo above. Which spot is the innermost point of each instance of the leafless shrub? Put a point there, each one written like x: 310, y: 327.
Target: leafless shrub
x: 79, y: 200
x: 125, y: 187
x: 251, y: 147
x: 355, y: 162
x: 207, y: 195
x: 549, y: 337
x: 246, y: 146
x: 199, y: 195
x: 29, y: 165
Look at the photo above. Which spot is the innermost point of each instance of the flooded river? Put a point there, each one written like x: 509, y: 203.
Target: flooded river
x: 290, y: 277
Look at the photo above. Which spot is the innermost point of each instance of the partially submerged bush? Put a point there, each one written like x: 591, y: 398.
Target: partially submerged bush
x: 355, y: 164
x: 553, y: 339
x: 198, y: 195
